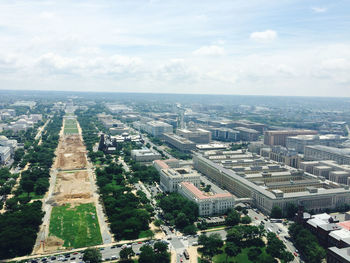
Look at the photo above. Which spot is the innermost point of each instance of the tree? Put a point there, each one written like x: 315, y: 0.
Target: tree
x: 231, y: 250
x: 276, y: 212
x: 92, y: 255
x: 147, y: 254
x: 126, y: 253
x: 291, y: 209
x: 246, y: 220
x: 158, y: 222
x: 287, y: 256
x: 254, y: 253
x: 275, y: 247
x: 160, y: 247
x: 28, y: 186
x: 233, y: 218
x: 211, y: 245
x: 207, y: 188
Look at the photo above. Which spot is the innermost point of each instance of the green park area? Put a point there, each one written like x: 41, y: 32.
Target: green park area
x: 77, y: 226
x: 70, y: 126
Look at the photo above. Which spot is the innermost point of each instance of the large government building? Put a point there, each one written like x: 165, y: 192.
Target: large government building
x: 267, y: 184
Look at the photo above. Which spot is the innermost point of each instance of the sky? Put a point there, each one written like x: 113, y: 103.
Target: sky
x: 255, y: 47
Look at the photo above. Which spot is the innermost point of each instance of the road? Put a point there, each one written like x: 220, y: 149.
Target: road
x: 278, y: 228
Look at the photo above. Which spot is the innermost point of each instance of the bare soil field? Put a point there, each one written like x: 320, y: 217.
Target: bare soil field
x: 73, y: 188
x: 71, y: 153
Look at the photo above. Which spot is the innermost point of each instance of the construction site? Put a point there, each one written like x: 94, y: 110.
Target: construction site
x: 71, y: 218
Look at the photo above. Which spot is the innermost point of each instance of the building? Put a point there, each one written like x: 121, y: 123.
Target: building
x: 338, y: 255
x: 195, y: 135
x: 4, y: 141
x: 5, y: 154
x: 267, y: 184
x: 171, y: 177
x: 224, y: 134
x: 283, y: 155
x: 299, y: 142
x: 208, y: 203
x: 157, y: 128
x: 179, y: 142
x: 145, y: 155
x: 320, y: 152
x: 246, y: 134
x: 279, y: 137
x: 249, y: 124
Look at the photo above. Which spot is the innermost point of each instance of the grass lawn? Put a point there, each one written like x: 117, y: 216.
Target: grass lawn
x: 146, y: 233
x: 70, y: 126
x: 241, y: 258
x: 77, y: 226
x: 32, y: 195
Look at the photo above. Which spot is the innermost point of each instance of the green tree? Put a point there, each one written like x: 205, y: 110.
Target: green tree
x: 233, y: 218
x: 291, y: 209
x: 246, y: 220
x: 276, y: 212
x: 92, y: 255
x: 231, y: 250
x: 126, y: 253
x: 254, y: 253
x: 211, y: 244
x: 147, y: 254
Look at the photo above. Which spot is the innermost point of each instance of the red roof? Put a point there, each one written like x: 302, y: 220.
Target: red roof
x: 199, y: 194
x: 161, y: 164
x: 345, y: 224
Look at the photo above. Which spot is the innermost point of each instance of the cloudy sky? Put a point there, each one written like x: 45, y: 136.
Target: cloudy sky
x: 255, y: 47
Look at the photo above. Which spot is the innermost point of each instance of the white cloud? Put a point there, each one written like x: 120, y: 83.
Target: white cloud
x: 264, y: 36
x: 319, y: 9
x: 209, y: 51
x: 47, y: 15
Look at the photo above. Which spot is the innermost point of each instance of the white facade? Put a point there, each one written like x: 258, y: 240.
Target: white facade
x: 170, y: 178
x: 145, y: 155
x: 5, y: 154
x: 208, y: 205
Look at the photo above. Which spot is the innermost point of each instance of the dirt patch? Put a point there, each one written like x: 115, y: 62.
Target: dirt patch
x: 71, y: 153
x: 51, y: 244
x: 73, y: 188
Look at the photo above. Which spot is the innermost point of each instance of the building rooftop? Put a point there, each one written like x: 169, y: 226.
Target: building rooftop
x: 200, y: 195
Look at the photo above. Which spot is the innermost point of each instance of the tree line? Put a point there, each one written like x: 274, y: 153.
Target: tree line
x: 20, y: 224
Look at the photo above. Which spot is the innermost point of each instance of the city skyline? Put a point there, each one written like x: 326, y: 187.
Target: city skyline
x: 275, y: 48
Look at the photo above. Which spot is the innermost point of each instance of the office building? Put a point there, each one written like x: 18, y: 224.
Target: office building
x: 224, y: 134
x: 179, y: 142
x: 320, y: 152
x: 157, y: 128
x: 145, y: 155
x: 267, y: 184
x: 208, y: 203
x: 299, y: 142
x: 195, y: 135
x: 279, y: 137
x: 5, y: 154
x: 246, y: 134
x: 171, y: 177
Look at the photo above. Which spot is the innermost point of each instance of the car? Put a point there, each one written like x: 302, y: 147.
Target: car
x: 295, y: 254
x: 72, y: 258
x: 256, y: 218
x: 169, y: 238
x: 101, y: 248
x: 114, y: 246
x: 108, y: 259
x: 65, y: 259
x: 139, y: 242
x: 53, y: 258
x: 113, y: 257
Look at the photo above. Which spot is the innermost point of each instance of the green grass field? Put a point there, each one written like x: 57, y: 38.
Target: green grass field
x: 77, y: 226
x: 70, y: 126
